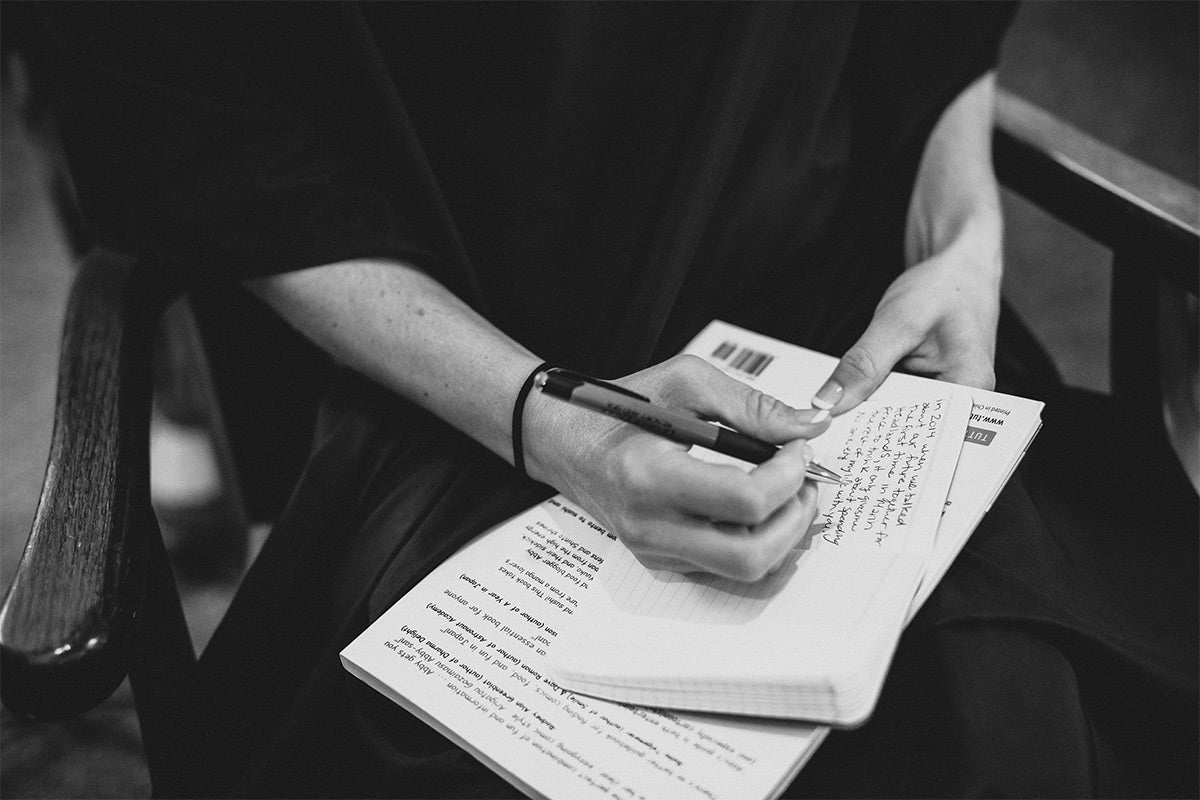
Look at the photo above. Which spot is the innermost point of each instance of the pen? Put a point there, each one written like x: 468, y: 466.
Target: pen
x: 619, y: 402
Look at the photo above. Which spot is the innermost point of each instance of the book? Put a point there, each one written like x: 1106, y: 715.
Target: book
x: 465, y: 651
x: 476, y: 648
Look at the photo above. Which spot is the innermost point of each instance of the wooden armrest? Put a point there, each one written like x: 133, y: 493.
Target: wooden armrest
x: 1151, y: 223
x: 70, y: 615
x: 1104, y: 193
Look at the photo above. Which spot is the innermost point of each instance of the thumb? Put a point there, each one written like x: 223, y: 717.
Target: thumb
x: 744, y: 408
x: 862, y: 368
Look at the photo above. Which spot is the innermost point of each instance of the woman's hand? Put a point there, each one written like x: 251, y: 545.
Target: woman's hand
x: 671, y: 509
x: 939, y: 317
x: 405, y: 330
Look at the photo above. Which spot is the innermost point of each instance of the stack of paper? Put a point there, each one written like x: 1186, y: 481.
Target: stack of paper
x: 471, y: 648
x: 812, y: 641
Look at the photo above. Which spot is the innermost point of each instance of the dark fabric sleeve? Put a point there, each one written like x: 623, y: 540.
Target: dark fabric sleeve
x: 201, y: 135
x: 912, y: 59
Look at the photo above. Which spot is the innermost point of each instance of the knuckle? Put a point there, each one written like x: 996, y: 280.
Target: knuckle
x: 752, y: 506
x: 808, y: 497
x: 760, y: 405
x: 751, y: 565
x: 684, y: 372
x: 859, y: 364
x: 747, y: 504
x: 632, y: 472
x: 626, y: 467
x: 685, y: 366
x: 654, y: 563
x: 627, y: 471
x: 635, y: 537
x: 693, y: 364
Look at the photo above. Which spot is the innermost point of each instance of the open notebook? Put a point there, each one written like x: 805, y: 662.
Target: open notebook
x: 812, y: 641
x: 481, y: 647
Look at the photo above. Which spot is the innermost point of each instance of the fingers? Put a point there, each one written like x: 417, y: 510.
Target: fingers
x: 937, y: 318
x: 675, y: 511
x: 686, y: 514
x: 864, y: 366
x: 744, y: 553
x: 699, y: 387
x: 728, y: 493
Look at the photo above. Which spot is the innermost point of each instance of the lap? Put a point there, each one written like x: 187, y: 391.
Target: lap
x: 1019, y: 678
x: 993, y: 690
x: 967, y: 711
x: 388, y: 493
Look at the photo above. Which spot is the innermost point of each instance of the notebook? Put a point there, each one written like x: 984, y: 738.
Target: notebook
x: 517, y: 646
x: 813, y: 640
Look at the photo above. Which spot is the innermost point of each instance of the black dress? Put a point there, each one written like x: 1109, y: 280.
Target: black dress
x: 600, y: 181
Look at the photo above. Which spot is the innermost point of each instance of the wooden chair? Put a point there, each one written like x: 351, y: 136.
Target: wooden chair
x: 94, y: 599
x: 1107, y: 466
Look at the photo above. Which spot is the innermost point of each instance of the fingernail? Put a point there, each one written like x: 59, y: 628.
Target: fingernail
x: 826, y: 398
x: 828, y: 395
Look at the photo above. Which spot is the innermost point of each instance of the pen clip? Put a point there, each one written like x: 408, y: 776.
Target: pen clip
x: 579, y: 377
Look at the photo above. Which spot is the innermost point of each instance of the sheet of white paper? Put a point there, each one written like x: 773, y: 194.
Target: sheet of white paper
x: 465, y: 651
x: 881, y: 450
x: 1000, y: 429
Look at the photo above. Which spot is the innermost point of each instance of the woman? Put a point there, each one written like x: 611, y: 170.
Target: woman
x: 443, y: 197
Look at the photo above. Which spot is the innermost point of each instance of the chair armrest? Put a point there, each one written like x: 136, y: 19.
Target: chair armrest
x: 69, y: 617
x: 1151, y: 223
x: 1104, y: 193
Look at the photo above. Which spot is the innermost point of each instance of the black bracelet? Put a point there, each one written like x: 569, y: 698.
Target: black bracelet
x: 518, y: 414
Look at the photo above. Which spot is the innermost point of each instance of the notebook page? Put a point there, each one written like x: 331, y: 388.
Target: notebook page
x: 832, y: 614
x: 1001, y: 426
x: 883, y: 451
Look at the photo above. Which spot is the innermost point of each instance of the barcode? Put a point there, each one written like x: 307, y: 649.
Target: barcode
x: 743, y: 359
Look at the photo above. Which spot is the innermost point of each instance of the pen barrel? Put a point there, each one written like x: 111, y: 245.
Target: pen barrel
x: 558, y: 383
x: 664, y: 422
x: 739, y: 445
x: 673, y: 425
x: 620, y: 403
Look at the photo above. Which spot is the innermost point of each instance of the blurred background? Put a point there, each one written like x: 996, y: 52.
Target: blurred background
x: 1124, y: 72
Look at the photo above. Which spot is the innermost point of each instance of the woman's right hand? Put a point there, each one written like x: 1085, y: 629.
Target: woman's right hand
x: 672, y: 510
x: 397, y: 325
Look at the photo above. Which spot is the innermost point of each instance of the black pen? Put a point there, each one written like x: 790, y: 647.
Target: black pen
x: 619, y: 402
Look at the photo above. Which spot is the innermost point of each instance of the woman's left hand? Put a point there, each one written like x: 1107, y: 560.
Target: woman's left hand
x: 938, y: 318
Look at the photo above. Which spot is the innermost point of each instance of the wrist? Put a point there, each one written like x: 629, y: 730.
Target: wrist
x: 563, y: 443
x: 974, y: 230
x: 518, y: 415
x: 977, y: 246
x: 955, y: 194
x: 545, y: 438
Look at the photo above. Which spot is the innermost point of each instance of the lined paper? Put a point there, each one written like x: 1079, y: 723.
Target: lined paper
x: 882, y: 451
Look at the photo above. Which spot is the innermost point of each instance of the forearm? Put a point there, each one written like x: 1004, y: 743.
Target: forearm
x: 955, y: 202
x: 405, y: 330
x: 398, y: 326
